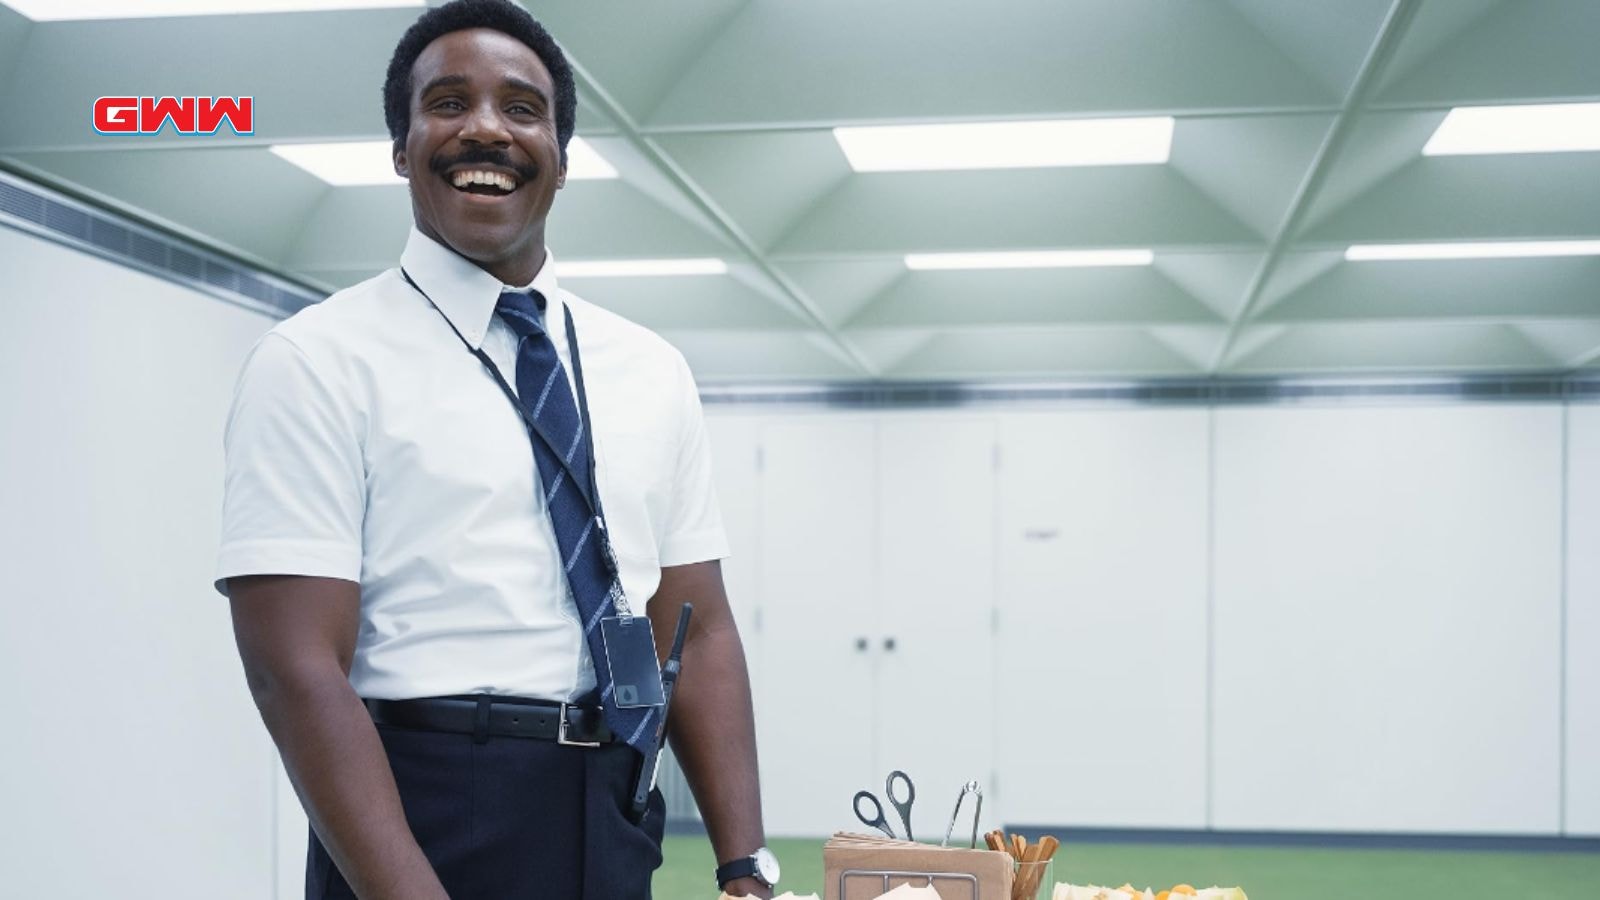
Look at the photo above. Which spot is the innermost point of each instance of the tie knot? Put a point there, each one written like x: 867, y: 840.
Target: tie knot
x: 523, y: 311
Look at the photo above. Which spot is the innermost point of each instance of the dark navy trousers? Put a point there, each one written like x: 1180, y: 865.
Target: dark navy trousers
x: 516, y: 819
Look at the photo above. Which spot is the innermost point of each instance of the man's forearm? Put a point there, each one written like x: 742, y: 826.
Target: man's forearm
x: 338, y: 767
x: 713, y: 735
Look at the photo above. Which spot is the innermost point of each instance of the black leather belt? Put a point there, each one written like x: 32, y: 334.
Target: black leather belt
x: 483, y: 717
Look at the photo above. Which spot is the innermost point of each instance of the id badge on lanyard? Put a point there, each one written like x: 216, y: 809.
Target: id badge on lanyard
x: 629, y: 641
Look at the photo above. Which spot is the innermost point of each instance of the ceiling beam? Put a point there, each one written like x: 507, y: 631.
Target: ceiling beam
x: 652, y: 151
x: 1383, y: 49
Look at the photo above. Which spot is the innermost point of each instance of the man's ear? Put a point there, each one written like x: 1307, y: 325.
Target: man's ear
x: 400, y: 167
x: 561, y: 177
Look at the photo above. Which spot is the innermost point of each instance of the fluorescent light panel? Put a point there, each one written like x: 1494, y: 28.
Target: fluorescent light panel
x: 1007, y: 145
x: 1476, y: 250
x: 353, y: 163
x: 584, y: 162
x: 1030, y: 259
x: 633, y: 268
x: 65, y: 10
x: 1545, y: 128
x: 344, y: 164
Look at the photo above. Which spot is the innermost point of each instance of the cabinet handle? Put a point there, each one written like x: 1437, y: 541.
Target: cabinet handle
x: 888, y: 644
x: 861, y: 645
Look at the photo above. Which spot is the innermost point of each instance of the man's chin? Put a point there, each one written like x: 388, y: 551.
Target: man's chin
x: 484, y: 245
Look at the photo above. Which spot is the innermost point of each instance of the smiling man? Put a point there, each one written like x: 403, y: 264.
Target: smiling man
x: 456, y: 497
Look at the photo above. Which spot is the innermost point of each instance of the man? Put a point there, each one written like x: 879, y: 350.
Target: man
x: 448, y: 488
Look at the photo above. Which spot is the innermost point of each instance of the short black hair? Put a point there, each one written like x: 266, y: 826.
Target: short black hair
x: 459, y: 15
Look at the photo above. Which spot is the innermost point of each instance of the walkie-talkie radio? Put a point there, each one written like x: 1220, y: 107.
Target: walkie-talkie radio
x: 669, y: 679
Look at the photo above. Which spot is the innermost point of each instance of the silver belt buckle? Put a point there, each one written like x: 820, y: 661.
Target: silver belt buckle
x: 561, y: 732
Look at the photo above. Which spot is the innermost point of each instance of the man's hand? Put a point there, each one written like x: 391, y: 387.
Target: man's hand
x: 747, y: 887
x: 297, y: 637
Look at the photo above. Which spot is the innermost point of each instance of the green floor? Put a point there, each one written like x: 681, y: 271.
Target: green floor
x: 1265, y: 873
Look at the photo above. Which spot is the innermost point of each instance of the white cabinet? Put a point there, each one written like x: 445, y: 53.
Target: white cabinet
x: 935, y: 698
x: 818, y: 561
x: 1249, y: 618
x: 1102, y: 643
x: 1387, y: 623
x: 876, y: 584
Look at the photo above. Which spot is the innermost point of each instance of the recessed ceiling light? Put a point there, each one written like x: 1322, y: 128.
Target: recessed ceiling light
x: 63, y: 10
x: 1007, y: 145
x: 584, y: 162
x: 344, y: 164
x: 1546, y: 128
x: 1475, y: 250
x: 352, y: 163
x: 1030, y: 259
x: 633, y: 268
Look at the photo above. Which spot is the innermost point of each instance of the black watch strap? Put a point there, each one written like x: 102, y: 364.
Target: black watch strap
x: 743, y: 867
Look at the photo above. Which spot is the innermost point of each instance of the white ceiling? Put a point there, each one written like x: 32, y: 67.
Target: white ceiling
x: 1300, y: 125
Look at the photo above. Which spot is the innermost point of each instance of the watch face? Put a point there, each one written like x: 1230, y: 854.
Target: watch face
x: 766, y: 866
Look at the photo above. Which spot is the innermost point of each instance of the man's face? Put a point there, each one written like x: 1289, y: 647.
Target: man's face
x: 482, y: 102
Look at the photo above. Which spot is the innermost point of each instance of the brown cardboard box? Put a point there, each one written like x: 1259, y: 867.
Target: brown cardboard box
x: 858, y: 852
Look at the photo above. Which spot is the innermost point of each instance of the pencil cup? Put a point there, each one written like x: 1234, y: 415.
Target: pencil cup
x: 1034, y: 880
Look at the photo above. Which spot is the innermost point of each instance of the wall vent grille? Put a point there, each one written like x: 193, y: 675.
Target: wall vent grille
x: 41, y: 211
x: 1557, y: 387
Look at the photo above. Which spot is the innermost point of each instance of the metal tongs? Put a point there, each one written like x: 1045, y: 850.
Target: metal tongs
x: 970, y: 788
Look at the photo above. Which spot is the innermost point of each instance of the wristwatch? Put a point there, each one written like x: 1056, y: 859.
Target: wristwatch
x: 761, y: 865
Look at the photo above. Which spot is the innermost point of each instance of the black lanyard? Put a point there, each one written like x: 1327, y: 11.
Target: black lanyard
x: 592, y: 496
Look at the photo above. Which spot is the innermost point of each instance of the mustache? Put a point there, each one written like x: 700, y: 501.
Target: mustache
x: 526, y: 172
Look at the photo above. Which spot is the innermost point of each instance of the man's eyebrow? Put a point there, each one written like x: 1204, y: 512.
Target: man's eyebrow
x: 511, y: 81
x: 443, y: 81
x: 528, y: 87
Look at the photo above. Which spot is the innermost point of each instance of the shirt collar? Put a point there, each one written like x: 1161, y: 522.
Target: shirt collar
x: 467, y: 294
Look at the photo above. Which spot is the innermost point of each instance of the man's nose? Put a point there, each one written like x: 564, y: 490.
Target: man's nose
x: 485, y: 125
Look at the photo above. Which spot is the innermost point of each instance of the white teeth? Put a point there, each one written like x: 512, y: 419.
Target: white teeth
x: 504, y: 182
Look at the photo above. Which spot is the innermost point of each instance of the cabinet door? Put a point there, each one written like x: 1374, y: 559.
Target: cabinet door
x: 934, y: 650
x: 1102, y: 685
x: 1388, y: 619
x: 817, y: 550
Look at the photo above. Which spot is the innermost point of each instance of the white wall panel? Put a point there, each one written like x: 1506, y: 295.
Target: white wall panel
x: 1102, y: 648
x: 935, y: 596
x: 1387, y: 618
x: 818, y: 570
x: 1583, y: 621
x: 136, y: 765
x: 735, y: 447
x: 293, y: 837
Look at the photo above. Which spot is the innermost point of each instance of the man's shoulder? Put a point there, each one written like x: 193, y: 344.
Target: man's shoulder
x: 331, y: 324
x: 602, y: 325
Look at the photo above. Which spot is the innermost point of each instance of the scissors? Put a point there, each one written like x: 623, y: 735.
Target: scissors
x: 903, y: 806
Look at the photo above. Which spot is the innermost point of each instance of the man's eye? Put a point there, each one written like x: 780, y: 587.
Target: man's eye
x: 444, y: 103
x: 524, y: 108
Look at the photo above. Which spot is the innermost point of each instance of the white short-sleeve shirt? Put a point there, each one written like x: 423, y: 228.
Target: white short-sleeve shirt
x: 367, y: 443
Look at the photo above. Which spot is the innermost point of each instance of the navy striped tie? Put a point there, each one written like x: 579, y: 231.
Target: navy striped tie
x: 544, y: 393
